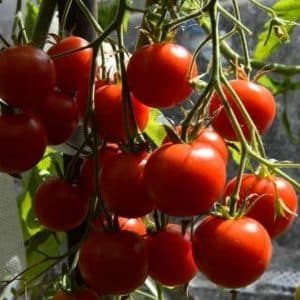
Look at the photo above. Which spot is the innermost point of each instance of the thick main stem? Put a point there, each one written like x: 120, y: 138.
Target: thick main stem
x: 43, y: 22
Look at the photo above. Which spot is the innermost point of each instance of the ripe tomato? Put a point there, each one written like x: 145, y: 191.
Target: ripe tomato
x: 258, y: 101
x: 113, y: 263
x: 87, y: 173
x: 185, y: 180
x: 109, y: 113
x: 59, y: 114
x: 71, y: 69
x: 208, y: 136
x: 264, y: 205
x: 81, y: 294
x: 157, y: 74
x: 171, y: 260
x: 23, y: 142
x: 60, y: 205
x: 134, y: 224
x: 26, y: 75
x: 122, y: 185
x: 231, y: 253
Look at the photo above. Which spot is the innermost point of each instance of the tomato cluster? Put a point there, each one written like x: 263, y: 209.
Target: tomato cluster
x: 126, y: 181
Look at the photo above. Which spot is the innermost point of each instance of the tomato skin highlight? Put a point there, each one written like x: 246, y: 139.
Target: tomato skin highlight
x: 258, y: 101
x: 23, y: 142
x: 113, y: 263
x: 185, y: 180
x: 109, y: 113
x: 81, y: 294
x: 157, y: 74
x: 71, y: 69
x: 263, y: 201
x: 170, y: 257
x: 26, y: 75
x: 122, y: 185
x: 231, y: 253
x: 59, y: 114
x: 60, y: 205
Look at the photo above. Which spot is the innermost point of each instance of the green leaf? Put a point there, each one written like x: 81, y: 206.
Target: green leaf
x: 31, y: 13
x: 286, y: 10
x: 106, y: 12
x: 269, y: 83
x: 155, y: 129
x: 49, y: 247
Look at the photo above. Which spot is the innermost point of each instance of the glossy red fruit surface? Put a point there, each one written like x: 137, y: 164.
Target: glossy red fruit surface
x: 268, y: 197
x: 23, y: 142
x: 185, y: 180
x: 59, y: 114
x: 122, y: 185
x: 157, y: 74
x: 27, y: 74
x: 258, y: 101
x: 114, y: 263
x: 169, y: 251
x: 232, y: 253
x: 60, y: 205
x: 109, y: 113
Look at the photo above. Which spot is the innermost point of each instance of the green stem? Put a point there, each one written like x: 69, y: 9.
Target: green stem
x: 231, y: 55
x: 43, y: 22
x: 85, y: 10
x: 128, y: 113
x: 267, y: 9
x: 64, y: 17
x: 4, y: 41
x: 243, y: 38
x: 159, y: 291
x: 240, y: 25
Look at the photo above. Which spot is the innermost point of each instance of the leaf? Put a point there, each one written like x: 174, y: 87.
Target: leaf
x: 155, y: 128
x: 270, y: 84
x: 31, y: 13
x: 288, y: 10
x: 49, y: 247
x: 106, y: 12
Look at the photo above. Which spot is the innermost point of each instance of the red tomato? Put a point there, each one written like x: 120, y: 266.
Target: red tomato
x: 114, y: 263
x: 258, y: 101
x: 171, y: 260
x: 71, y: 69
x: 87, y: 174
x: 60, y: 205
x: 264, y: 203
x: 157, y: 74
x: 26, y: 75
x: 185, y: 180
x: 134, y: 224
x: 208, y: 136
x: 23, y: 142
x: 81, y: 294
x: 231, y: 253
x: 109, y: 113
x: 59, y: 114
x: 122, y: 185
